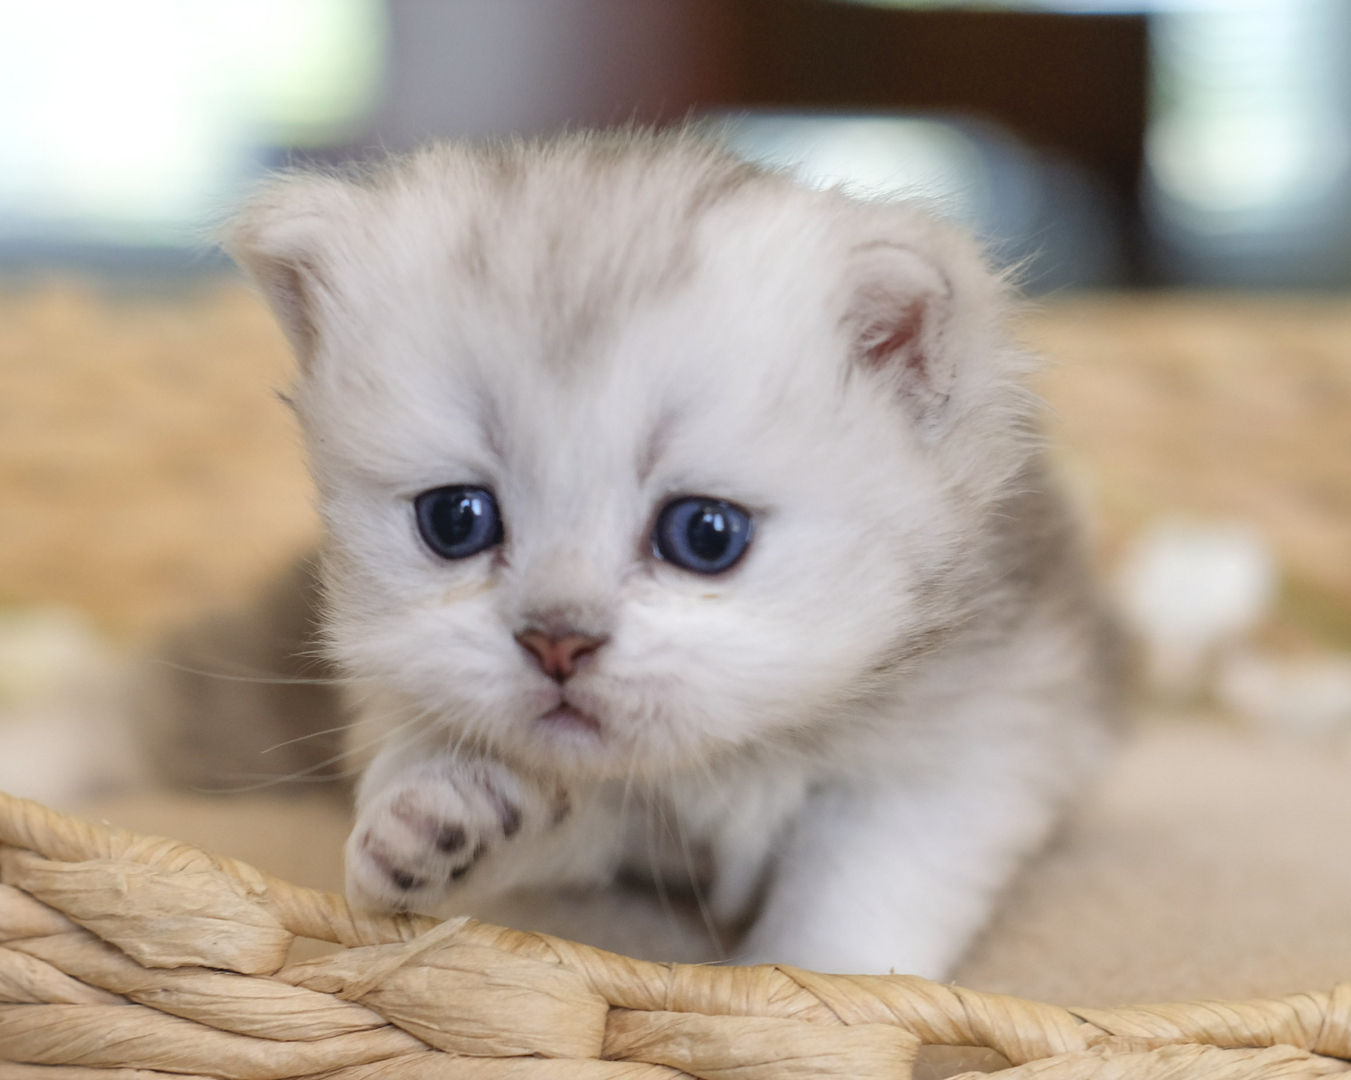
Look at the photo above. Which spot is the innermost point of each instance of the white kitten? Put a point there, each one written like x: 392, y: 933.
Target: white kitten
x: 660, y: 488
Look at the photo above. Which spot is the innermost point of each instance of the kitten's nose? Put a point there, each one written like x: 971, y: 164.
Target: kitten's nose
x: 557, y: 656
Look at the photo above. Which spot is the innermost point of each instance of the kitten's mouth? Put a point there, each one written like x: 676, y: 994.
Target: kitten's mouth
x: 565, y: 719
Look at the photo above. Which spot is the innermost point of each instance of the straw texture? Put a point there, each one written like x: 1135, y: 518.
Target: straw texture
x: 131, y: 957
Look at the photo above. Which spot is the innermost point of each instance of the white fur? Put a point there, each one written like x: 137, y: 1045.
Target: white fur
x: 860, y: 728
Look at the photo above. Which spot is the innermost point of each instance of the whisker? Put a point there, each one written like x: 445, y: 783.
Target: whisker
x: 700, y: 900
x: 311, y: 735
x: 263, y: 680
x: 307, y: 774
x: 658, y: 879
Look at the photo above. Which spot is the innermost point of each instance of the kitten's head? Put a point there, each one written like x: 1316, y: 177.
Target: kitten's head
x: 632, y: 454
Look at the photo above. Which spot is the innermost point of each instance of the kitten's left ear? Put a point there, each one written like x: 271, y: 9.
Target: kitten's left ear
x: 899, y: 320
x: 287, y: 238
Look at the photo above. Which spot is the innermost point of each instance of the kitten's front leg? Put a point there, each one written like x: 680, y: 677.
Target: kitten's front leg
x: 426, y: 820
x: 895, y: 878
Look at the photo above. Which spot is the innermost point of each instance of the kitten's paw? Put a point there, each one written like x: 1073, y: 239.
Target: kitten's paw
x: 424, y: 832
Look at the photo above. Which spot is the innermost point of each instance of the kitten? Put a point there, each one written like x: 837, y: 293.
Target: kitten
x: 659, y: 488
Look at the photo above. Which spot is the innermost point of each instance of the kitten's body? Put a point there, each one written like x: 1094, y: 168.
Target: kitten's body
x: 848, y: 739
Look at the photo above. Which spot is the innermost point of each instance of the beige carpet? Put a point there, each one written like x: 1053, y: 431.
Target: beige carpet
x: 1210, y: 864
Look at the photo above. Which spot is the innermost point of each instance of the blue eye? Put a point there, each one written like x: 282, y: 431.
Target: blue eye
x: 702, y: 534
x: 458, y: 521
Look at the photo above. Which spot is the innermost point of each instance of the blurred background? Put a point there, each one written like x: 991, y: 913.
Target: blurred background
x: 1170, y: 182
x: 1100, y: 143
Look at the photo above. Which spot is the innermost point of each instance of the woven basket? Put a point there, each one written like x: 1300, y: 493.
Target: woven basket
x: 133, y: 957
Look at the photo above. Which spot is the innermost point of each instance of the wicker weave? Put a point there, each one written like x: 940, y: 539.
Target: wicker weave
x: 134, y: 957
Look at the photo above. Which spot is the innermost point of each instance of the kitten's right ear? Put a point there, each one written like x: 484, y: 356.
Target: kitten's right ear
x: 286, y: 239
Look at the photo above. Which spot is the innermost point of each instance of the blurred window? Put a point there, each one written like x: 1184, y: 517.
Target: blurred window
x: 1249, y: 159
x: 127, y: 121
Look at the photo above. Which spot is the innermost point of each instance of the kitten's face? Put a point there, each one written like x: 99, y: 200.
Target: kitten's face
x: 733, y: 383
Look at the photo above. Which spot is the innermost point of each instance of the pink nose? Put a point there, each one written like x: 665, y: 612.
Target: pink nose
x: 557, y: 656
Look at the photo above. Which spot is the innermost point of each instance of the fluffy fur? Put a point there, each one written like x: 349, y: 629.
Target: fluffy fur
x: 847, y: 741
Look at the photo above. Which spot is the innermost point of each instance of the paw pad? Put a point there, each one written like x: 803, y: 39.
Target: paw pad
x: 428, y: 829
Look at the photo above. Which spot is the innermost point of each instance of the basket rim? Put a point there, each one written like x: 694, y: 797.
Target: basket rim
x: 36, y: 840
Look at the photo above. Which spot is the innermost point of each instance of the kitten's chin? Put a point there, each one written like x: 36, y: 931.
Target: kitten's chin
x: 565, y: 722
x: 567, y: 738
x: 590, y: 736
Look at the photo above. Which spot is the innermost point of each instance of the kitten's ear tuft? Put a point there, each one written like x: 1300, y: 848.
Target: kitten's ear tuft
x: 286, y: 239
x: 897, y: 318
